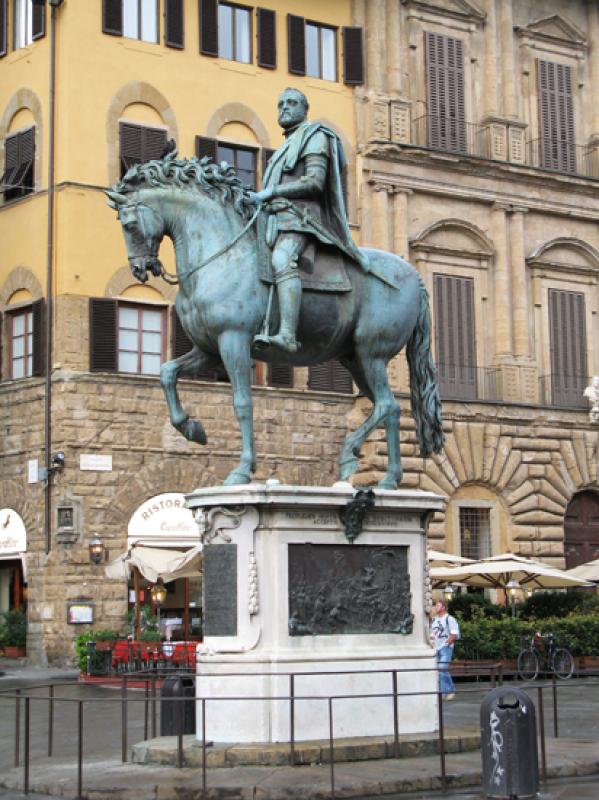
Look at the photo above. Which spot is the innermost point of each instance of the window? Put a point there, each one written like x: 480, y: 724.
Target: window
x: 312, y: 50
x: 21, y: 344
x: 140, y: 20
x: 331, y: 376
x: 556, y: 117
x: 17, y: 178
x: 445, y: 118
x: 234, y: 33
x: 140, y: 339
x: 139, y: 144
x: 475, y: 532
x: 321, y: 52
x: 455, y: 336
x: 29, y: 22
x: 567, y: 339
x: 243, y: 159
x: 25, y: 351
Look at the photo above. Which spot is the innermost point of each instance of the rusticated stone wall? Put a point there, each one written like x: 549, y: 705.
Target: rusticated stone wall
x: 531, y: 460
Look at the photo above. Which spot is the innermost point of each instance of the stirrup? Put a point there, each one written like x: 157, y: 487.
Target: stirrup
x: 288, y: 343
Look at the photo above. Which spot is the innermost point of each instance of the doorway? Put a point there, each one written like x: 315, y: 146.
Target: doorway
x: 581, y: 529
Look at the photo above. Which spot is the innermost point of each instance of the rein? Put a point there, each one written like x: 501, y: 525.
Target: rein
x: 173, y: 280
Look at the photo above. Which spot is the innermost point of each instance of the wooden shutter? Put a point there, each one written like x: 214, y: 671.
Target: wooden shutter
x: 280, y: 375
x: 153, y: 143
x: 296, y: 44
x: 455, y: 336
x: 353, y: 56
x: 209, y: 27
x: 11, y: 163
x: 174, y: 29
x: 446, y: 118
x: 267, y: 38
x: 180, y: 342
x: 112, y: 17
x: 567, y: 341
x: 556, y: 116
x: 38, y: 10
x: 331, y: 376
x: 102, y: 335
x: 39, y: 338
x: 206, y: 147
x: 3, y: 27
x: 130, y: 145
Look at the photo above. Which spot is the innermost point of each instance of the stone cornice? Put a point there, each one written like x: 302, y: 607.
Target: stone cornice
x: 455, y: 9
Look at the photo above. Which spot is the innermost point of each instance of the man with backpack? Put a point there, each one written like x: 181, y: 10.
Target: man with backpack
x: 445, y: 631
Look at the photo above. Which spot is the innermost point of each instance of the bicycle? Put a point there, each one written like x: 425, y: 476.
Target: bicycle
x: 540, y: 657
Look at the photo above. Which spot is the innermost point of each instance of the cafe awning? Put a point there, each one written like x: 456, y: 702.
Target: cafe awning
x: 157, y: 562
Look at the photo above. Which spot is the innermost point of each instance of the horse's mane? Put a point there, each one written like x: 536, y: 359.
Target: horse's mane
x: 193, y: 173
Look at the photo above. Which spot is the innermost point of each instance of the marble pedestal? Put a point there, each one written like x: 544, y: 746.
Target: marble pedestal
x: 286, y: 592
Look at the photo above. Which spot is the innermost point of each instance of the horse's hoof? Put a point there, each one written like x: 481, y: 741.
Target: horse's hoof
x: 237, y: 478
x: 388, y: 483
x: 193, y: 431
x: 348, y: 468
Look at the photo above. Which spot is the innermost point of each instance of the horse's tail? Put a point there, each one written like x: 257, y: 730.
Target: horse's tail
x: 426, y: 404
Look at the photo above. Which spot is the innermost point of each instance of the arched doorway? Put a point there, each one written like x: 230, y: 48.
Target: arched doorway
x: 581, y: 529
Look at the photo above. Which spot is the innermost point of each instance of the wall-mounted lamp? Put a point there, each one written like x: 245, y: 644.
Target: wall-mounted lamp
x: 97, y: 551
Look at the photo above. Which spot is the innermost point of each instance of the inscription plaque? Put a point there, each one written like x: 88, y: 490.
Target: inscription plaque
x: 220, y: 590
x: 339, y: 589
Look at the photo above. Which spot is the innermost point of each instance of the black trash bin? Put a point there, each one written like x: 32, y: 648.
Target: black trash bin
x: 177, y: 715
x: 509, y: 745
x: 99, y: 662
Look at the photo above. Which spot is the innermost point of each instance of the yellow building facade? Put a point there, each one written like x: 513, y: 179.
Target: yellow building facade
x: 86, y: 89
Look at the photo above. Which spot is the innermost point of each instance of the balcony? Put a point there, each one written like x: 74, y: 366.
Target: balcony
x: 563, y: 157
x: 564, y: 391
x: 460, y: 382
x: 451, y: 135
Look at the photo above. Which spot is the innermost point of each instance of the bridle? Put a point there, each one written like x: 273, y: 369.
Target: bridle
x: 153, y: 257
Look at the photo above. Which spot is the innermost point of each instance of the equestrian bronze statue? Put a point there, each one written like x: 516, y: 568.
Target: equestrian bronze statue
x: 282, y: 259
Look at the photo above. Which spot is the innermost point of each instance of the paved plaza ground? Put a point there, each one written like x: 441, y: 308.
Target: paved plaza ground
x: 575, y: 752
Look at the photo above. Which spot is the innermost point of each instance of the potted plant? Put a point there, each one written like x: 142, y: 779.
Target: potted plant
x: 13, y: 633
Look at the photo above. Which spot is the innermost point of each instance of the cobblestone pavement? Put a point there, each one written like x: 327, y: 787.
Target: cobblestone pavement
x: 571, y: 789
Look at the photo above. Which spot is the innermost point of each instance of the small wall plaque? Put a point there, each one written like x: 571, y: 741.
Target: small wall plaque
x: 220, y: 590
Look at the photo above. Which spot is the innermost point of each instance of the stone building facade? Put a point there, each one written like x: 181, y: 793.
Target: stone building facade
x: 478, y: 160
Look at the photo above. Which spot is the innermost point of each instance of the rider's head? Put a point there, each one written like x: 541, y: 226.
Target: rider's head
x: 293, y: 108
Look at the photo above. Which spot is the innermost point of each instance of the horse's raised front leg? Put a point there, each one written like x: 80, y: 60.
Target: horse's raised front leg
x: 234, y: 349
x: 372, y: 373
x: 190, y: 364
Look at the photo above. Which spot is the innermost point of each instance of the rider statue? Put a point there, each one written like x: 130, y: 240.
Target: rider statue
x: 302, y: 187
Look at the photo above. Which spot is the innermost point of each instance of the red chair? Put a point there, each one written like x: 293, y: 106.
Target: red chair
x: 184, y: 655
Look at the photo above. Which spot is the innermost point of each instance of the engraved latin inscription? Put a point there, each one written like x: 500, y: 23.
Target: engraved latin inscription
x: 220, y: 590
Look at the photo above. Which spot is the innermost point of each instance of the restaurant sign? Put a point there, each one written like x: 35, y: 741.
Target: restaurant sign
x: 163, y: 516
x: 13, y: 536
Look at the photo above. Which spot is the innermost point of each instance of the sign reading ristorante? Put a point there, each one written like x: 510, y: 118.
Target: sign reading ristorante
x: 162, y: 515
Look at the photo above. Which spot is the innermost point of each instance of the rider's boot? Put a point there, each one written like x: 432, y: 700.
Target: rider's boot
x: 289, y: 292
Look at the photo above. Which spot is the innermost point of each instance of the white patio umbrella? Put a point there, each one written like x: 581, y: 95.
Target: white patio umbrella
x: 497, y: 571
x: 155, y: 562
x: 586, y: 572
x: 437, y: 558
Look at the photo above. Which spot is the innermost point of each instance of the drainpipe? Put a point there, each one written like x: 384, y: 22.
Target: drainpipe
x: 54, y: 5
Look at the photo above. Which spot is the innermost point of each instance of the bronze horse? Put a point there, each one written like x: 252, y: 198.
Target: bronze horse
x: 222, y: 303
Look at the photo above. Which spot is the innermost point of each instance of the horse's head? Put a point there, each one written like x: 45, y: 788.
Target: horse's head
x: 143, y: 228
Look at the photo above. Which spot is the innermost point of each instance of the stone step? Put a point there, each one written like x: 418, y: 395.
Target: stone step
x: 163, y: 750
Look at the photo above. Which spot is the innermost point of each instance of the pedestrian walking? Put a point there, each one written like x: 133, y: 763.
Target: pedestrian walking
x: 445, y: 631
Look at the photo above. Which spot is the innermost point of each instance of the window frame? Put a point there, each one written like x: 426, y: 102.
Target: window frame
x: 27, y: 6
x: 140, y: 307
x: 25, y: 311
x: 235, y: 7
x: 140, y: 18
x: 144, y: 132
x: 320, y: 26
x: 236, y: 148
